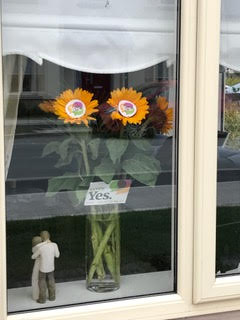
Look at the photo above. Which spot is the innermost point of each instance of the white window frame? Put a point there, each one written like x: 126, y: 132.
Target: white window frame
x: 198, y: 291
x: 206, y: 286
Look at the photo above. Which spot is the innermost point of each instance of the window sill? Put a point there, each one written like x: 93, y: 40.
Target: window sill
x: 19, y: 299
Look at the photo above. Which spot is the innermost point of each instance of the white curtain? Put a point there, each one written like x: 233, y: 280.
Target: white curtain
x: 106, y: 36
x: 99, y: 36
x: 13, y: 73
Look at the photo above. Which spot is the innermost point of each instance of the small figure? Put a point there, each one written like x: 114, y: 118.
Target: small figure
x: 36, y: 243
x: 47, y: 252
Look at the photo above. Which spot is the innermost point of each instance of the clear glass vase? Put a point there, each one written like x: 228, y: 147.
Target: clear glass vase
x: 103, y: 252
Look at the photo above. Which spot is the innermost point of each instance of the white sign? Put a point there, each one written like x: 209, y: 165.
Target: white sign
x: 100, y: 193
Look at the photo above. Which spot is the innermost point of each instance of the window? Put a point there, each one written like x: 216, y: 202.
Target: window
x: 91, y: 152
x: 176, y: 267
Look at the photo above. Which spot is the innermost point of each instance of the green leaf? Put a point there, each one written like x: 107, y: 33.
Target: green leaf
x: 142, y: 144
x: 116, y: 148
x: 64, y: 162
x: 143, y: 168
x: 63, y: 148
x: 50, y: 148
x: 94, y: 147
x: 69, y: 181
x: 105, y: 170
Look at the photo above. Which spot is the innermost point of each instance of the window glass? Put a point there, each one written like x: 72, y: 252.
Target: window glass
x: 228, y: 174
x: 90, y: 102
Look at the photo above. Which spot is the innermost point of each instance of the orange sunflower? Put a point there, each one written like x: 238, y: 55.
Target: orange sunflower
x: 161, y: 115
x: 75, y: 106
x: 129, y: 106
x: 47, y: 106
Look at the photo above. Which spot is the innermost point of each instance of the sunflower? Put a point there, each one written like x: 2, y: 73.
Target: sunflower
x: 161, y: 115
x: 47, y: 106
x: 129, y: 106
x: 75, y: 106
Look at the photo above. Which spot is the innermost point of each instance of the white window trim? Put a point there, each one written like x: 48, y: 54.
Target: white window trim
x: 205, y: 288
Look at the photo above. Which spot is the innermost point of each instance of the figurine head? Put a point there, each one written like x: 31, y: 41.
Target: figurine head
x: 36, y: 240
x: 45, y: 235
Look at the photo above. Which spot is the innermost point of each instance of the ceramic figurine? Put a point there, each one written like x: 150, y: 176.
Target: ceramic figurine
x: 45, y: 254
x: 36, y: 243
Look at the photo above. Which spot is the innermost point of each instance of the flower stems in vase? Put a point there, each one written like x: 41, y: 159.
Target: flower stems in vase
x: 95, y: 243
x: 103, y: 252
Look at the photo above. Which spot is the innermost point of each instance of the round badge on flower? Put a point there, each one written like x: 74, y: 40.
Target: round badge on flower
x: 76, y: 106
x: 129, y: 106
x: 75, y: 109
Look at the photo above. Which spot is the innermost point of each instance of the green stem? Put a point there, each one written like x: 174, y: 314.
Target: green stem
x: 85, y: 157
x: 111, y: 250
x: 117, y: 245
x: 99, y: 241
x: 95, y: 243
x: 118, y: 257
x: 108, y: 256
x: 94, y: 237
x: 145, y: 124
x: 100, y: 250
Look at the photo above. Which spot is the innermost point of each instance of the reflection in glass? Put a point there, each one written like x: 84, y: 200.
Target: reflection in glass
x: 228, y: 175
x: 90, y: 145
